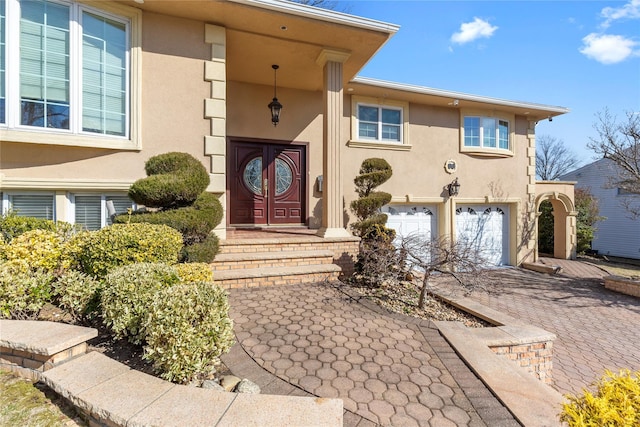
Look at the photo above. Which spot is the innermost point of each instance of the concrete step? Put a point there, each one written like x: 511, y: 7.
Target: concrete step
x: 233, y: 261
x: 277, y: 276
x: 302, y: 243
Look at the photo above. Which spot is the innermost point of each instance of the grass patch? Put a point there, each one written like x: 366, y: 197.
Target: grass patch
x: 23, y: 403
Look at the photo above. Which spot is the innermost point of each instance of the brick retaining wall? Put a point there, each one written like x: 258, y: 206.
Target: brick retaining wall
x: 535, y: 357
x: 623, y: 285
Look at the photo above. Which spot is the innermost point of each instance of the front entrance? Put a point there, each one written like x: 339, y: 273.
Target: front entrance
x: 266, y: 183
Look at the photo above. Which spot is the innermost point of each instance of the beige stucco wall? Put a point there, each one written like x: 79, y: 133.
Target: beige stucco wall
x: 300, y: 121
x: 173, y: 93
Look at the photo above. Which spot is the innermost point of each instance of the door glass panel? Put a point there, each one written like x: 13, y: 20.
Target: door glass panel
x: 252, y: 175
x: 284, y: 176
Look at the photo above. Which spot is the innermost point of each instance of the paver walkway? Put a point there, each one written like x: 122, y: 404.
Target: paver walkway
x: 597, y: 329
x: 388, y: 369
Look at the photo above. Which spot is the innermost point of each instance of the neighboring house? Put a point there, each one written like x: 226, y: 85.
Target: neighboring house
x: 619, y: 233
x: 90, y: 90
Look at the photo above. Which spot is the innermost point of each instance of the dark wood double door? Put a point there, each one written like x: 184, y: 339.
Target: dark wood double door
x: 266, y: 183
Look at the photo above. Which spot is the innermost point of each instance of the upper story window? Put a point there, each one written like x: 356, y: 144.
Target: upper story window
x: 486, y: 135
x: 377, y: 125
x: 486, y: 132
x: 67, y: 69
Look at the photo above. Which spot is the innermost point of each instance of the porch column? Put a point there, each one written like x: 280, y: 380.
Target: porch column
x: 332, y: 196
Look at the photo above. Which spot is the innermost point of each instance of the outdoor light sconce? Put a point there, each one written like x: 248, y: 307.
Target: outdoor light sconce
x: 454, y: 188
x: 274, y: 105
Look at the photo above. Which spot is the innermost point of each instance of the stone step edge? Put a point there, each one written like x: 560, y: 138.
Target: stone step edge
x: 517, y: 389
x: 255, y: 273
x: 253, y: 256
x: 111, y: 393
x: 286, y: 240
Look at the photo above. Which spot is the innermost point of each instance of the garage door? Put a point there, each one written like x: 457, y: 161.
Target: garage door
x: 411, y: 219
x: 486, y: 229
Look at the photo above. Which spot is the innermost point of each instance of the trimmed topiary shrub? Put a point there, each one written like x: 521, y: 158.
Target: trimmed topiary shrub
x: 194, y: 272
x: 77, y: 293
x: 373, y: 173
x: 127, y: 294
x: 204, y: 251
x: 123, y: 244
x: 188, y: 328
x: 175, y: 186
x: 173, y: 180
x: 616, y: 402
x: 23, y: 290
x: 12, y: 225
x: 40, y: 249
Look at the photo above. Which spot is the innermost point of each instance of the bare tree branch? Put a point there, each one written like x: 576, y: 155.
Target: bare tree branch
x: 553, y: 159
x: 324, y: 4
x: 620, y: 142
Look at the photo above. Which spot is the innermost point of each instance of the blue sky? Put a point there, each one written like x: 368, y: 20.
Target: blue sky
x: 584, y: 55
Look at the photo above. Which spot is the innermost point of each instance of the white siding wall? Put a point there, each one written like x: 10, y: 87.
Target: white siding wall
x: 617, y: 235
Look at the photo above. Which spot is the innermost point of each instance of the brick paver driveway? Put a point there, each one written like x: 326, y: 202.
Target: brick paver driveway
x: 597, y: 329
x: 388, y: 369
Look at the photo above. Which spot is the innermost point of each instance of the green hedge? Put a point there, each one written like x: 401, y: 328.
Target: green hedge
x: 123, y: 244
x: 127, y: 295
x: 187, y: 329
x: 23, y: 290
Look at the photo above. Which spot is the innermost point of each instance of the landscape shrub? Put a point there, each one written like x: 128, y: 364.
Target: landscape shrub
x: 77, y: 293
x: 616, y: 402
x: 201, y: 252
x: 373, y: 173
x: 12, y: 225
x: 173, y: 180
x: 194, y: 272
x: 193, y: 222
x: 38, y: 248
x: 188, y: 328
x: 123, y: 244
x: 23, y: 290
x: 127, y: 295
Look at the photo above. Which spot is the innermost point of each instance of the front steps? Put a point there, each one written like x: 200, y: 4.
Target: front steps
x: 278, y: 261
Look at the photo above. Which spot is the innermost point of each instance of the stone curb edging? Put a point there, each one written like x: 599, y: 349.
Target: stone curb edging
x: 111, y: 394
x: 623, y: 285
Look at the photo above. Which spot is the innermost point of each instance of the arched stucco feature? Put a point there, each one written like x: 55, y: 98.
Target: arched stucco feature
x: 564, y: 224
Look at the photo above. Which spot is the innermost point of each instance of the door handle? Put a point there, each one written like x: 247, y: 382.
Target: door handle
x: 266, y: 186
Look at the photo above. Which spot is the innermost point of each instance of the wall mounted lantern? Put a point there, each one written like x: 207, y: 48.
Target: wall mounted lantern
x: 454, y: 188
x: 274, y: 105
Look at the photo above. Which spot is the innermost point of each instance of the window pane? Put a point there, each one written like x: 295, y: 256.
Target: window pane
x: 489, y: 133
x: 367, y: 114
x: 472, y: 131
x: 503, y: 134
x: 40, y: 206
x: 391, y: 116
x: 104, y: 73
x: 368, y: 130
x: 88, y: 211
x: 120, y: 204
x: 44, y: 64
x: 391, y: 133
x: 2, y: 59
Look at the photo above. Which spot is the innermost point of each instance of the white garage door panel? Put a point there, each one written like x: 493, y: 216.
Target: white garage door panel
x: 411, y: 219
x: 486, y: 229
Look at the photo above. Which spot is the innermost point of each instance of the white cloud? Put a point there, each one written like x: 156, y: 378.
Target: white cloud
x: 630, y: 10
x: 474, y: 30
x: 608, y: 49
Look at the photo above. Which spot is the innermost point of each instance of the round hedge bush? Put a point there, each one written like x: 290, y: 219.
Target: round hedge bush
x: 188, y: 328
x: 194, y: 272
x: 123, y: 244
x: 39, y: 248
x: 127, y: 294
x: 77, y: 293
x: 173, y: 180
x: 23, y: 290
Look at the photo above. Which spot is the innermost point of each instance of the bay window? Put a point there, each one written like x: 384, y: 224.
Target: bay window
x: 486, y: 132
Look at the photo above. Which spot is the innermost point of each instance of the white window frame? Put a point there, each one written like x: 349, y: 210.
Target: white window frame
x: 7, y: 202
x: 71, y: 217
x: 379, y: 143
x: 484, y: 149
x: 13, y: 131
